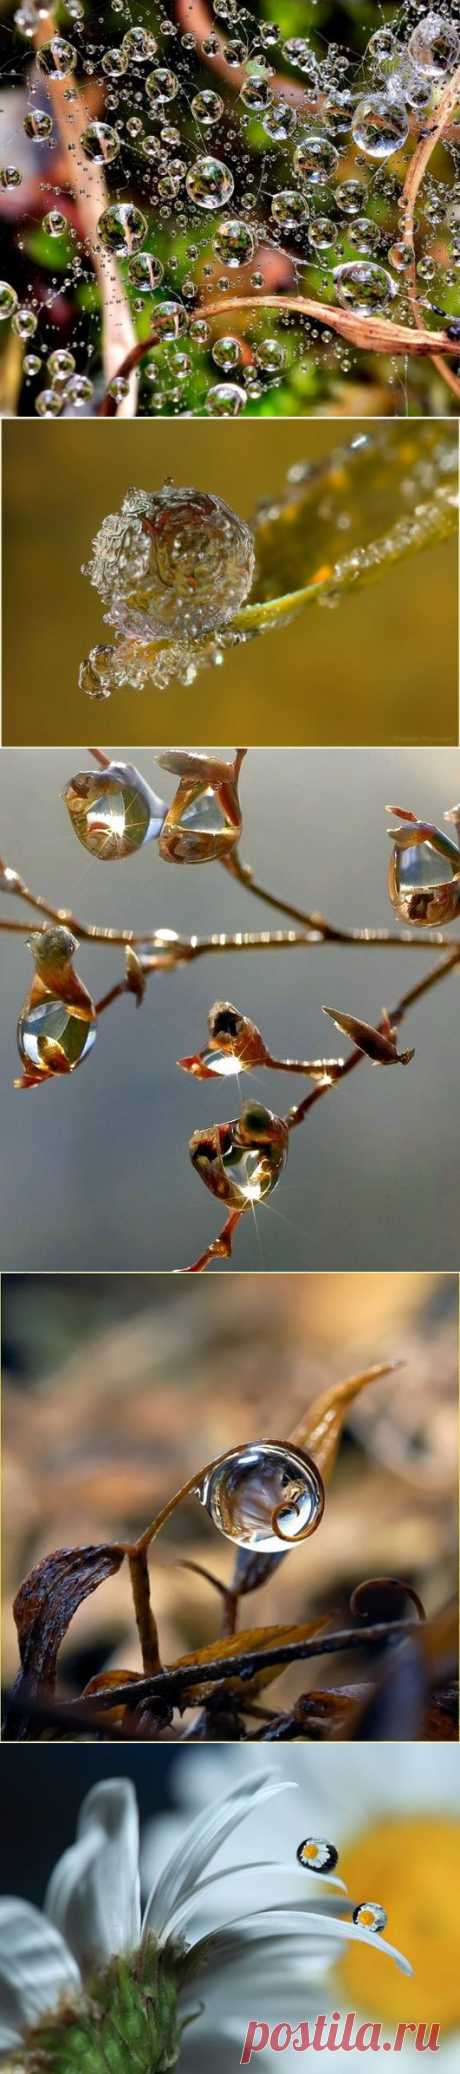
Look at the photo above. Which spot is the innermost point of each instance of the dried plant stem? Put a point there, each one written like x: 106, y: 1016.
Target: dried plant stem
x: 174, y: 1685
x: 219, y: 1248
x: 146, y: 1623
x: 418, y: 167
x: 87, y: 184
x: 396, y: 1016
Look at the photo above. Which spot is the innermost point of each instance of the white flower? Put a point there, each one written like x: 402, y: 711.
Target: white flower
x: 90, y: 1960
x: 349, y: 1791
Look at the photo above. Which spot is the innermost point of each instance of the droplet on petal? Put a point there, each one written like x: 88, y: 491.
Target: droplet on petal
x: 317, y: 1855
x: 262, y: 1495
x: 113, y: 811
x: 370, y: 1915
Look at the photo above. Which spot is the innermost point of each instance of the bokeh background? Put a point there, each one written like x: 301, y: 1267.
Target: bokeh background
x: 95, y: 1172
x: 118, y: 1388
x: 383, y: 667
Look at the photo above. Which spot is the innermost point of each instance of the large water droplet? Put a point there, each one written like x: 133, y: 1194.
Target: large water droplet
x: 424, y: 887
x: 113, y: 811
x: 315, y: 158
x: 363, y: 287
x: 121, y: 228
x: 100, y: 143
x: 241, y: 1161
x: 203, y: 823
x: 56, y: 58
x: 234, y: 242
x: 370, y: 1915
x: 263, y: 1495
x: 52, y: 1038
x: 209, y: 183
x: 317, y: 1855
x: 434, y: 44
x: 380, y: 125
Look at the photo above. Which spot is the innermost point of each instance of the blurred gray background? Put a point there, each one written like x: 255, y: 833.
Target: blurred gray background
x: 95, y: 1172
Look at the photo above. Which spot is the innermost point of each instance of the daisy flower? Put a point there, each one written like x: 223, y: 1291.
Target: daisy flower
x: 90, y: 1987
x: 394, y: 1815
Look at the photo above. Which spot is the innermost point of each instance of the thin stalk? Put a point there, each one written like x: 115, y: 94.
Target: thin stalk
x: 174, y: 1685
x: 396, y: 1016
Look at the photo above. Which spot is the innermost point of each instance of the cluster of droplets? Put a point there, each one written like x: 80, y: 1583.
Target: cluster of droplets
x: 172, y: 567
x: 213, y: 153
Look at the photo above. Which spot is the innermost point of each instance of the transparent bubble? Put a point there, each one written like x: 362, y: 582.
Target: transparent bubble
x: 380, y: 125
x: 138, y: 46
x: 79, y: 391
x: 24, y: 322
x: 350, y: 197
x: 173, y: 561
x: 317, y: 1855
x: 8, y: 300
x: 363, y: 287
x: 145, y: 272
x: 370, y: 1915
x: 234, y: 242
x: 61, y: 364
x: 280, y: 121
x: 424, y: 887
x: 227, y: 353
x: 53, y: 1039
x: 226, y: 399
x: 48, y: 404
x: 256, y: 93
x: 10, y: 176
x: 114, y: 63
x: 434, y: 44
x: 100, y: 143
x: 203, y: 823
x: 39, y: 125
x: 400, y: 256
x: 57, y: 58
x: 289, y: 209
x: 55, y: 224
x: 31, y: 364
x: 209, y: 183
x: 113, y: 812
x: 207, y: 108
x: 263, y: 1495
x: 315, y: 158
x: 270, y: 356
x: 121, y: 228
x: 161, y: 86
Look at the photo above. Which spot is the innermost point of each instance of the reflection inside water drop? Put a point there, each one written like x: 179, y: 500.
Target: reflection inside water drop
x: 53, y: 1039
x: 262, y: 1495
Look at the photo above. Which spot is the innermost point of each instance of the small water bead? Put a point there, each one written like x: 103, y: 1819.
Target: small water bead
x: 280, y: 121
x: 55, y: 224
x: 315, y: 158
x: 10, y: 176
x: 209, y: 183
x: 8, y: 301
x: 263, y: 1496
x: 31, y: 364
x: 256, y: 94
x: 161, y: 86
x: 100, y: 143
x: 322, y: 233
x: 57, y: 58
x: 299, y: 53
x: 234, y: 242
x: 121, y: 228
x: 317, y: 1855
x: 39, y: 125
x: 207, y: 108
x: 227, y: 353
x: 363, y: 287
x: 380, y: 125
x: 270, y: 356
x: 79, y: 391
x: 225, y: 400
x: 95, y: 675
x: 114, y: 63
x: 113, y: 811
x: 145, y: 272
x: 382, y: 46
x: 434, y: 44
x: 289, y: 209
x: 60, y: 365
x: 24, y: 322
x: 119, y: 388
x: 139, y: 47
x: 350, y: 197
x: 400, y: 257
x: 48, y: 404
x: 370, y: 1915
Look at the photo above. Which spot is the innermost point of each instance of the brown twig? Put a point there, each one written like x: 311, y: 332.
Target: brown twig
x: 396, y: 1016
x: 173, y: 1685
x: 416, y: 173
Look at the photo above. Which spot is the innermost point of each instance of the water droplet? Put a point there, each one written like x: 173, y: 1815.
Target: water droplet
x: 203, y: 822
x: 24, y: 322
x: 53, y: 1039
x: 380, y: 125
x: 370, y: 1915
x: 174, y: 561
x: 55, y: 224
x: 113, y: 811
x: 234, y: 242
x: 362, y: 287
x: 263, y: 1495
x: 207, y: 108
x: 227, y: 353
x: 289, y: 209
x: 48, y: 404
x: 161, y: 86
x: 423, y: 886
x: 280, y: 121
x: 56, y: 58
x: 209, y: 183
x: 79, y: 391
x: 256, y: 93
x: 100, y: 143
x: 38, y: 125
x: 241, y: 1161
x: 315, y: 158
x: 60, y: 365
x: 10, y: 176
x: 8, y: 300
x: 145, y: 272
x: 434, y: 44
x: 317, y: 1854
x: 138, y: 46
x: 121, y: 228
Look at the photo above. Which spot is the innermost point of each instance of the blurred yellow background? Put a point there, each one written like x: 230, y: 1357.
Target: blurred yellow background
x: 381, y: 668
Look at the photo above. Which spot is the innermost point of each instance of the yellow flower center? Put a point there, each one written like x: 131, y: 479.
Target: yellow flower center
x: 411, y: 1865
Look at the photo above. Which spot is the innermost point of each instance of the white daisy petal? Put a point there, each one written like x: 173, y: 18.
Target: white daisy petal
x: 93, y: 1895
x: 35, y: 1968
x: 202, y: 1841
x: 329, y: 1929
x: 284, y: 1882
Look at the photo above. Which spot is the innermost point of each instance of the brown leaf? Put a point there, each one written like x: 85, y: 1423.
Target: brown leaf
x: 46, y: 1603
x: 250, y: 1639
x: 381, y: 1049
x: 188, y: 763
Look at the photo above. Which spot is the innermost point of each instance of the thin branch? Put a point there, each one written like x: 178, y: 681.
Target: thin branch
x: 174, y: 1685
x: 396, y: 1015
